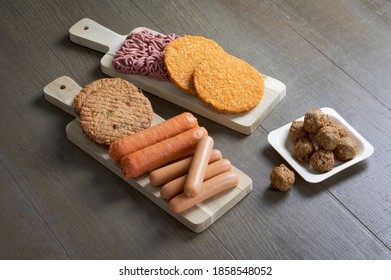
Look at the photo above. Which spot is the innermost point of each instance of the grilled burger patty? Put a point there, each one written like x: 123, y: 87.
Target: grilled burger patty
x: 109, y: 113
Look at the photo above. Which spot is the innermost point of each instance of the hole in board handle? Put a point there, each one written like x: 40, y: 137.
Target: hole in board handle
x: 86, y: 27
x: 62, y: 86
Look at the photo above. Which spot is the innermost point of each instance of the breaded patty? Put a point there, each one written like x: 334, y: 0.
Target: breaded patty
x: 183, y: 55
x: 228, y: 84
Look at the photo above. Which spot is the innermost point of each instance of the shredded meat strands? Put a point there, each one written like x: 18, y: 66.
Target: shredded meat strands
x: 143, y: 54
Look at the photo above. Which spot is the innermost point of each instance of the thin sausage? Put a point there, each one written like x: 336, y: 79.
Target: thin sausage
x: 161, y: 153
x: 174, y: 170
x: 210, y: 188
x: 175, y: 187
x: 197, y: 169
x: 152, y: 135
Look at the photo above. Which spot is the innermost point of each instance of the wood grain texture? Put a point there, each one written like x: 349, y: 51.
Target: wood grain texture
x: 328, y: 53
x: 354, y: 36
x: 26, y: 233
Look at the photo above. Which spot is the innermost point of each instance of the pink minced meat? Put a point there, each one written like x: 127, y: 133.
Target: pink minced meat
x: 143, y: 54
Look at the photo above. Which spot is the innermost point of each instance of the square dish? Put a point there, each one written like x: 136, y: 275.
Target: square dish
x: 280, y: 141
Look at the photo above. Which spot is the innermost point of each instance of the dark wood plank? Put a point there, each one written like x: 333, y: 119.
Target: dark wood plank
x: 354, y: 36
x: 93, y: 214
x: 24, y: 234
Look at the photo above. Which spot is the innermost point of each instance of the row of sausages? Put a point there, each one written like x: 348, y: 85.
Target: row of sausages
x: 180, y: 158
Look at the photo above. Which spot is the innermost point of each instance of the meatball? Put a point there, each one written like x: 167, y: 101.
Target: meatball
x: 303, y: 150
x: 282, y: 178
x: 327, y: 137
x: 341, y: 129
x: 322, y: 160
x: 297, y: 131
x: 315, y: 120
x: 346, y: 149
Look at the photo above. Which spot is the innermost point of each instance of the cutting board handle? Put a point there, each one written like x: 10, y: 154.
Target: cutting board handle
x: 61, y: 92
x: 93, y: 35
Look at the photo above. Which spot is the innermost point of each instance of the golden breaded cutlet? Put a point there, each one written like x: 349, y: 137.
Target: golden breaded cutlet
x: 228, y: 84
x: 183, y: 55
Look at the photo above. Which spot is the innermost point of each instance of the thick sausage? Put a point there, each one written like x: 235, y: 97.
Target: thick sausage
x: 197, y: 169
x: 172, y: 171
x: 210, y: 188
x: 175, y: 187
x: 161, y: 153
x: 152, y: 135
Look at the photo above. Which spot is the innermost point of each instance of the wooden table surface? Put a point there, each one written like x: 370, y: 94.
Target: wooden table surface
x: 57, y: 202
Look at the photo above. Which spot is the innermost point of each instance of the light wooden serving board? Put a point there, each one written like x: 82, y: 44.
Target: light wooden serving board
x: 91, y: 34
x: 61, y: 92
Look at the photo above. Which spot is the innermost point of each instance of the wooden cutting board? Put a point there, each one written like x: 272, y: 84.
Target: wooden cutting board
x: 61, y: 92
x: 91, y: 34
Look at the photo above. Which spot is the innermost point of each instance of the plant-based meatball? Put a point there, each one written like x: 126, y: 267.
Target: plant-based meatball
x: 320, y: 141
x: 297, y: 131
x: 327, y: 137
x: 315, y: 120
x: 322, y: 160
x: 346, y: 149
x: 303, y: 150
x: 282, y: 178
x: 343, y: 132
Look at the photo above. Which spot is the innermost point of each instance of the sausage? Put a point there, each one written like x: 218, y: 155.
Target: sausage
x: 161, y: 153
x: 210, y: 188
x: 175, y: 187
x: 197, y: 169
x: 172, y: 171
x: 152, y: 135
